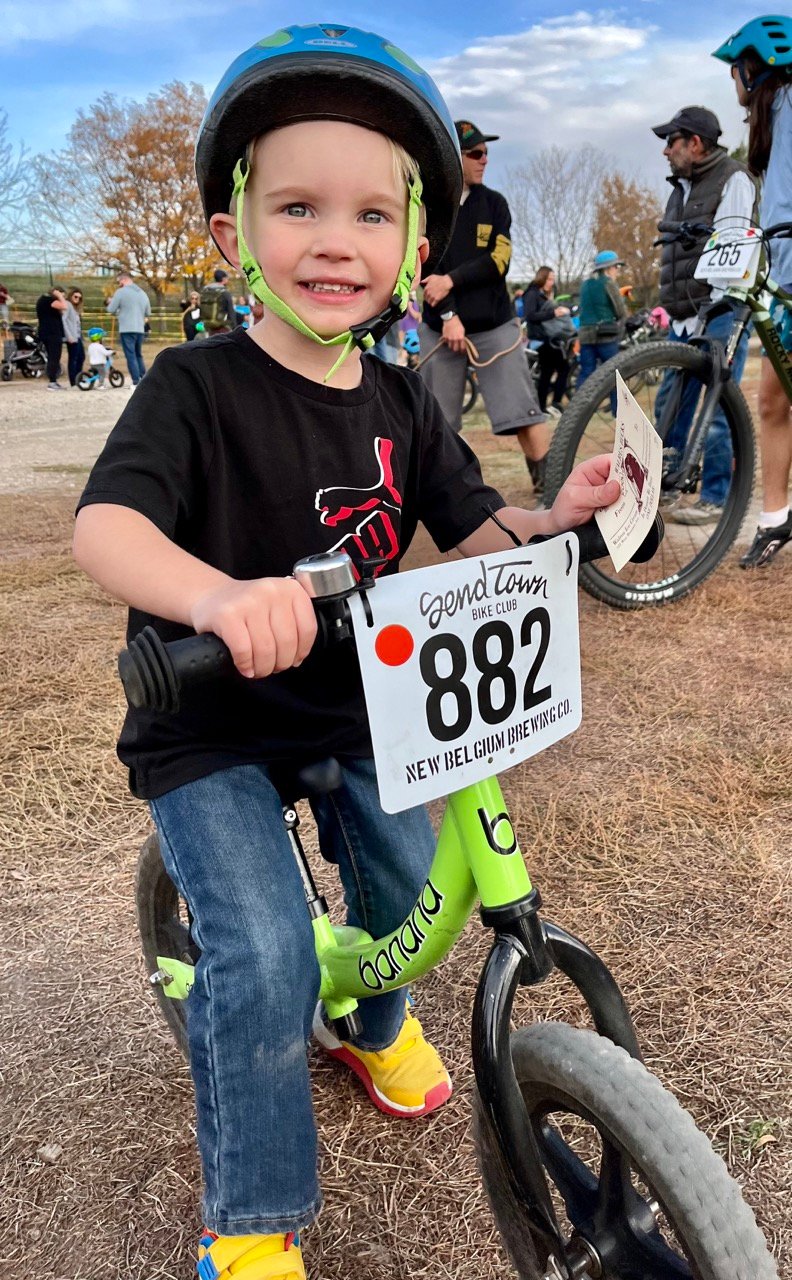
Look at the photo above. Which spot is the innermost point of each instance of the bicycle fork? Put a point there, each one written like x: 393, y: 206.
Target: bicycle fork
x: 525, y: 951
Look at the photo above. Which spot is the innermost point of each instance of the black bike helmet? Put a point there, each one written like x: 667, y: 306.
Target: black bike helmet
x: 335, y: 73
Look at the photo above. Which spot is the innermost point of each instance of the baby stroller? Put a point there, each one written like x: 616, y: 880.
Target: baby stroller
x: 24, y: 352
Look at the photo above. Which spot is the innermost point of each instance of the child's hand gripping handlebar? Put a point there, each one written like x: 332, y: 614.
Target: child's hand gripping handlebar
x: 153, y: 672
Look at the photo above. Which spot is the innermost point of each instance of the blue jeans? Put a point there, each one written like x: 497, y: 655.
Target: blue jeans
x: 133, y: 350
x: 716, y: 474
x: 249, y: 1013
x: 592, y: 354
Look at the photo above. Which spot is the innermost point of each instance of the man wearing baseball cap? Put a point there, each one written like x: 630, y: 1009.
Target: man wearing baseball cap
x: 711, y: 188
x: 467, y: 299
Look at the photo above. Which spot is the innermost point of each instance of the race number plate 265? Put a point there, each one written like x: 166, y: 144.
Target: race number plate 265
x: 469, y: 667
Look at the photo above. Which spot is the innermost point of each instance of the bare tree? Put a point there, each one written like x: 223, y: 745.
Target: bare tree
x: 15, y: 183
x: 123, y: 191
x: 552, y: 201
x: 625, y: 219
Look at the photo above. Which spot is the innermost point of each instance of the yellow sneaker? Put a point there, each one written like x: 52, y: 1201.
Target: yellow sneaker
x: 249, y: 1257
x: 407, y: 1079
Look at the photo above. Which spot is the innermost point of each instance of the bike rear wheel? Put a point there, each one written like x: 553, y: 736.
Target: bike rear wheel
x: 84, y: 382
x: 164, y: 930
x: 629, y: 1172
x: 471, y: 392
x: 689, y: 553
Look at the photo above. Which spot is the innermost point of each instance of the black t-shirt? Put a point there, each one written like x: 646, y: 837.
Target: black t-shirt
x: 50, y: 321
x: 250, y: 467
x: 477, y: 260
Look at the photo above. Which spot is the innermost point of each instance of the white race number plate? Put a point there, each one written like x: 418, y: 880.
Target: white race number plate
x: 730, y: 257
x: 469, y: 667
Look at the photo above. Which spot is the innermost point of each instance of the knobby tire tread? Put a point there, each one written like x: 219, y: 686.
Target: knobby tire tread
x: 698, y: 1195
x: 571, y: 429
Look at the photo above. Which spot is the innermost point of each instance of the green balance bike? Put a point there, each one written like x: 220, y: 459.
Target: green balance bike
x: 592, y: 1168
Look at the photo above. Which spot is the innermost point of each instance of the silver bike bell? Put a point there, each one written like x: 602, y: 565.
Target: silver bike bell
x: 330, y: 573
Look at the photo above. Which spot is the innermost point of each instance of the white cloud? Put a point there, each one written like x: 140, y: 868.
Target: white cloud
x: 585, y: 78
x: 50, y: 22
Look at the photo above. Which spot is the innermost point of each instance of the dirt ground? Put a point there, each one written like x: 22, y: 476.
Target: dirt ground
x: 659, y: 833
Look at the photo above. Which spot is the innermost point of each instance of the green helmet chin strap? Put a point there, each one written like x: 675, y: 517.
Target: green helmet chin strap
x: 362, y: 335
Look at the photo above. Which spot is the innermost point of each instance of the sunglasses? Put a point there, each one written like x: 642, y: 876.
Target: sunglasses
x: 674, y: 137
x: 77, y: 295
x: 478, y: 153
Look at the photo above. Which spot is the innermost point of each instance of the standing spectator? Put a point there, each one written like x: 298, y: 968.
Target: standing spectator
x: 467, y: 298
x: 72, y: 332
x: 709, y: 187
x: 191, y: 315
x: 132, y: 306
x: 217, y: 305
x: 540, y: 312
x: 6, y: 301
x: 760, y: 56
x: 602, y: 311
x: 49, y: 313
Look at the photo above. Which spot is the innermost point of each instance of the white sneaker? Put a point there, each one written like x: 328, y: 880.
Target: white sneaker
x: 55, y: 386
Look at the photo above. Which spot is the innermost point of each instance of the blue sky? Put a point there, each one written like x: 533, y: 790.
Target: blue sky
x: 536, y: 73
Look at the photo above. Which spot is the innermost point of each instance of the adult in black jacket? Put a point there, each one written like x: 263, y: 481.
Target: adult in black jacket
x: 49, y: 314
x: 539, y: 308
x: 466, y: 300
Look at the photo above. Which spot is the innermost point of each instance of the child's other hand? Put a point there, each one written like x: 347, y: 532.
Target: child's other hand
x: 585, y: 491
x: 268, y: 623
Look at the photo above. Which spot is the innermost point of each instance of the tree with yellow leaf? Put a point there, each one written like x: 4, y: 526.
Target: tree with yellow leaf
x: 625, y: 219
x: 123, y: 191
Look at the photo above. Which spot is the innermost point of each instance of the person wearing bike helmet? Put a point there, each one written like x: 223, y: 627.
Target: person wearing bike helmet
x: 98, y: 355
x: 237, y: 456
x: 760, y: 57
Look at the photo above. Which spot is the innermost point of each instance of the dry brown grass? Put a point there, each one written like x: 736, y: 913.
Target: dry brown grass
x: 659, y: 833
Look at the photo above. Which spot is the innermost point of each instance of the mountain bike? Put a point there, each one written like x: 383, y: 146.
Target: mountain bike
x: 591, y: 1167
x: 696, y: 383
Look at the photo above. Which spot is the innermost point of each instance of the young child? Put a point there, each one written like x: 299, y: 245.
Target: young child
x: 218, y: 477
x: 98, y: 355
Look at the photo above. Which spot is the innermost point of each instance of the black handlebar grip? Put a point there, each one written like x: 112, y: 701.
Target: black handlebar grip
x: 592, y: 544
x: 153, y: 672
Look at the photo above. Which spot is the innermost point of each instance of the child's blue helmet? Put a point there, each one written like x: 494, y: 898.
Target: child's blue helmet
x: 769, y: 37
x: 412, y: 343
x: 95, y: 334
x: 337, y: 73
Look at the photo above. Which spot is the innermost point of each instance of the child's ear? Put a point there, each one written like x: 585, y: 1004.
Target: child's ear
x: 223, y: 229
x: 421, y: 256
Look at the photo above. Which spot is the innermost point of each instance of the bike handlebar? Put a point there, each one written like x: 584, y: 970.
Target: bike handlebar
x: 153, y: 672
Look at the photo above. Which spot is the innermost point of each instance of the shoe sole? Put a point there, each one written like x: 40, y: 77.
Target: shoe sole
x: 334, y: 1048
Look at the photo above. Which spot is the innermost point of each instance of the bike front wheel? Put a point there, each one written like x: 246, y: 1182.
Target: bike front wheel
x: 471, y: 392
x: 115, y: 378
x: 164, y: 931
x: 637, y: 1188
x: 689, y: 552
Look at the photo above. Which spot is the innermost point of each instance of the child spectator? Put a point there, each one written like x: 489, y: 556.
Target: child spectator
x: 208, y: 490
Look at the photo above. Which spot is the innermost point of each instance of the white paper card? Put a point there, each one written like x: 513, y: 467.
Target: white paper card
x: 637, y: 465
x: 469, y: 667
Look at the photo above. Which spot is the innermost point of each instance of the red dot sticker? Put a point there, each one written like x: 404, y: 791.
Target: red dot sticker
x: 394, y: 645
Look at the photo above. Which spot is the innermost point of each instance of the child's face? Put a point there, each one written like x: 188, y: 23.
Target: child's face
x: 326, y: 219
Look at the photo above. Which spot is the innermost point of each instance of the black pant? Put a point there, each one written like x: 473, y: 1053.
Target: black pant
x: 551, y: 361
x: 54, y: 347
x: 76, y: 359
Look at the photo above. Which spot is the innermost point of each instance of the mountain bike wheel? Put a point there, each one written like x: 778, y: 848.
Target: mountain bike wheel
x: 689, y: 553
x: 471, y: 392
x: 115, y: 378
x: 164, y: 930
x: 629, y: 1172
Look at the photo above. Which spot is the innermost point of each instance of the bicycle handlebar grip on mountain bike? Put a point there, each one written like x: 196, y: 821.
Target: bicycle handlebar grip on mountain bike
x: 592, y: 544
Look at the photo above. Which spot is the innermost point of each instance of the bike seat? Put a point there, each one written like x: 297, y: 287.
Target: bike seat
x: 316, y: 779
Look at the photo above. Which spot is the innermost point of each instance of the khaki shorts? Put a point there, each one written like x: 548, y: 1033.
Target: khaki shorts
x: 506, y: 384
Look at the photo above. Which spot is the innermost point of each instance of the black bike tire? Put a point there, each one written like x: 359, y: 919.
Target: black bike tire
x: 84, y: 382
x: 115, y: 378
x: 471, y: 390
x: 571, y: 428
x: 156, y: 900
x: 696, y: 1191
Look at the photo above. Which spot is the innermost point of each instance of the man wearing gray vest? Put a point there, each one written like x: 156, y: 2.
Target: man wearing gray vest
x: 711, y: 188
